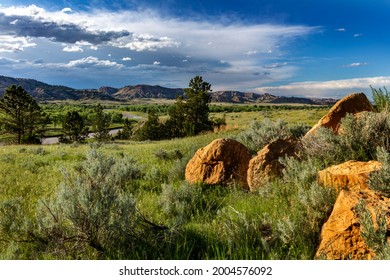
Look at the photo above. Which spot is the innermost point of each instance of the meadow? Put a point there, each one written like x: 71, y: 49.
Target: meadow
x: 144, y: 209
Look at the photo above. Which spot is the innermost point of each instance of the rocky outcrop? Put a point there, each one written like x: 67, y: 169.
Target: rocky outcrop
x: 266, y: 165
x: 352, y: 175
x: 341, y: 236
x: 221, y: 162
x: 352, y: 104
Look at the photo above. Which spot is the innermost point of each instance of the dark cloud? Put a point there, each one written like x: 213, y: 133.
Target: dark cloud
x: 65, y: 33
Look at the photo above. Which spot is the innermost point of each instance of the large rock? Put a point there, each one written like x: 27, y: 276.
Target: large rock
x: 341, y: 236
x: 352, y: 104
x: 221, y: 162
x: 266, y: 165
x: 351, y: 175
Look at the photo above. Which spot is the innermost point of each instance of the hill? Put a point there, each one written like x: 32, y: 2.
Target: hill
x: 45, y: 92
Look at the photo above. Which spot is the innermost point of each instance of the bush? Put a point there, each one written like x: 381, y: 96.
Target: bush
x: 94, y: 214
x: 358, y: 139
x: 262, y: 133
x: 381, y: 99
x: 380, y: 180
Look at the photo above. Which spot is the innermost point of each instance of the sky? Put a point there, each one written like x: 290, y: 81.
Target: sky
x: 284, y: 47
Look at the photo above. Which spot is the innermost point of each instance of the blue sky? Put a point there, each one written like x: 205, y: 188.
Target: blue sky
x: 293, y: 48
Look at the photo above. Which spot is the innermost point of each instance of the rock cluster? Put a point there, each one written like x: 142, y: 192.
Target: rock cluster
x: 225, y: 161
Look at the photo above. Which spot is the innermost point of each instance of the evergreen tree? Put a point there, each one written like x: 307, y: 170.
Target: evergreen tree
x: 127, y: 130
x: 174, y: 126
x: 151, y: 129
x: 20, y: 115
x: 100, y: 124
x: 73, y: 128
x: 197, y: 106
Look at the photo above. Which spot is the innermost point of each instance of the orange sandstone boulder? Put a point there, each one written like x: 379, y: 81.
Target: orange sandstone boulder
x: 266, y: 164
x: 352, y: 175
x: 221, y: 162
x: 353, y: 103
x: 341, y: 236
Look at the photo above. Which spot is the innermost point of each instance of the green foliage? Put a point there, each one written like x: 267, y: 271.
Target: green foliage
x: 100, y: 124
x: 151, y: 129
x: 73, y: 128
x: 197, y: 106
x: 92, y: 215
x: 261, y: 133
x: 375, y: 236
x: 381, y: 99
x: 127, y: 132
x: 380, y: 180
x: 20, y: 115
x: 168, y: 155
x: 358, y: 140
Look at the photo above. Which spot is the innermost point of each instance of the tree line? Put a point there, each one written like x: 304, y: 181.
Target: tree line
x: 23, y: 118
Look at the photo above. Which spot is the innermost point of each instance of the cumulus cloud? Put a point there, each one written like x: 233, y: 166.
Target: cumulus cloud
x: 72, y: 48
x: 333, y: 88
x: 225, y: 51
x: 91, y: 61
x: 156, y: 63
x: 9, y: 43
x: 36, y: 22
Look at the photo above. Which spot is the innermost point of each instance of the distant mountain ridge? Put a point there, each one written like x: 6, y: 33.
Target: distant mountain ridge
x: 45, y: 92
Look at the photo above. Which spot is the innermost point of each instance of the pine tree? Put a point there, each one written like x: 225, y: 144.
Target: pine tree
x: 73, y: 128
x: 100, y: 124
x: 20, y: 115
x: 197, y: 106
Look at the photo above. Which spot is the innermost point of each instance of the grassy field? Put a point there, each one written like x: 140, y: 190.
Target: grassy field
x: 179, y: 221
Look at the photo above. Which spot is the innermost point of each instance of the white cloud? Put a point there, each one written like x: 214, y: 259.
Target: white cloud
x: 341, y: 29
x: 144, y: 42
x: 91, y: 61
x: 357, y: 35
x: 356, y: 64
x: 156, y: 63
x: 126, y: 59
x: 73, y: 48
x: 10, y: 43
x: 66, y: 10
x: 333, y: 88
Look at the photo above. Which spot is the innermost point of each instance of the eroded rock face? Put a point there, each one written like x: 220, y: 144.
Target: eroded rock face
x: 353, y: 103
x: 352, y: 175
x: 341, y: 236
x: 266, y: 165
x: 221, y: 162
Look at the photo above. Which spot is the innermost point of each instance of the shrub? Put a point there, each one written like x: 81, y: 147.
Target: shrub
x: 380, y: 180
x: 381, y: 99
x: 358, y: 139
x: 94, y: 214
x: 261, y: 133
x: 375, y: 236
